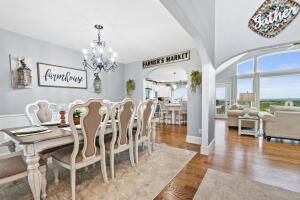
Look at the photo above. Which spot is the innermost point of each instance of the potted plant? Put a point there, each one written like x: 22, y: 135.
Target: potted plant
x: 196, y: 80
x: 76, y: 116
x: 130, y: 86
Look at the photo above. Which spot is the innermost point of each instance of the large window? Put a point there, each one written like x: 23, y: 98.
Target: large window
x: 180, y: 93
x: 282, y: 61
x: 245, y: 67
x: 277, y: 90
x: 244, y: 86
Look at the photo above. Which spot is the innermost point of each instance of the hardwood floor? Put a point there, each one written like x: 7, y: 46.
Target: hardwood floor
x: 276, y: 163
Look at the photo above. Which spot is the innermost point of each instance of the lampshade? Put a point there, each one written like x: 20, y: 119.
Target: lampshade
x: 247, y: 97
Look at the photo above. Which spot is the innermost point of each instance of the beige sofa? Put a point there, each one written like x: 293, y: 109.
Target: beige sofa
x: 282, y: 122
x: 234, y: 112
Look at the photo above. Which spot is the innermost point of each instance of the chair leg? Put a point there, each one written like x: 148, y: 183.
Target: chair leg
x: 153, y: 139
x: 149, y: 146
x: 103, y: 168
x: 44, y: 183
x: 73, y: 183
x: 112, y: 164
x: 55, y: 171
x: 136, y: 152
x: 131, y: 155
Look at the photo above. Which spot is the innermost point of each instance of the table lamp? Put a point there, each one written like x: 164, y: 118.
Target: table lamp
x: 247, y: 97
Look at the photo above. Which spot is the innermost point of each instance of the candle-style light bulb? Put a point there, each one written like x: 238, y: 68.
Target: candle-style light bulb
x: 112, y: 59
x: 92, y: 44
x: 115, y: 54
x: 109, y: 49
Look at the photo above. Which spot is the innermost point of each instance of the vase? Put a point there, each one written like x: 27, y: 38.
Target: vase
x: 76, y: 120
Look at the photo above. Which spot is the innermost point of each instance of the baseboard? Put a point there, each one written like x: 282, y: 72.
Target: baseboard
x: 193, y: 139
x: 206, y: 149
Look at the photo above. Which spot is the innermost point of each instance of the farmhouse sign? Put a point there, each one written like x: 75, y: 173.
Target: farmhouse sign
x: 273, y: 16
x: 178, y: 57
x: 57, y: 76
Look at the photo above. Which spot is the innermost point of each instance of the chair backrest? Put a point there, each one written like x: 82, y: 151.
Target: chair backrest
x: 41, y: 111
x: 145, y: 114
x: 77, y: 101
x: 124, y: 112
x: 91, y: 126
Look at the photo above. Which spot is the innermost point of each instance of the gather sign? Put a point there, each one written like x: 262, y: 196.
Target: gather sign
x: 58, y: 76
x: 178, y: 57
x: 273, y: 16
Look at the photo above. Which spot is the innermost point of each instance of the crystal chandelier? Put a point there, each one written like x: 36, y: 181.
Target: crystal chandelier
x: 100, y: 57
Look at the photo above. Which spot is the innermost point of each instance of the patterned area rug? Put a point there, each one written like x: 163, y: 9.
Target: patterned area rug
x: 218, y: 185
x: 144, y: 181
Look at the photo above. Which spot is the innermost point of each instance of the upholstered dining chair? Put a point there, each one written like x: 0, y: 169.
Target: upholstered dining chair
x: 143, y: 133
x: 82, y: 155
x: 122, y: 139
x: 13, y: 167
x: 41, y: 111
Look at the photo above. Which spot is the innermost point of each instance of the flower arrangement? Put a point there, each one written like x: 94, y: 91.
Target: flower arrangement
x: 196, y: 80
x: 130, y: 86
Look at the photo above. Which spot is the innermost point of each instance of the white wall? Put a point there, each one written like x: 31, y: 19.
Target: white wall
x: 13, y: 101
x: 233, y: 36
x: 135, y: 71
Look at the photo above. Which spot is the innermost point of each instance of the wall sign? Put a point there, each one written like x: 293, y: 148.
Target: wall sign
x: 178, y: 57
x: 57, y: 76
x: 273, y: 16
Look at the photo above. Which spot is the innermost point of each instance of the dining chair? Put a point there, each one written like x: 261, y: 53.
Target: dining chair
x: 162, y: 112
x: 82, y: 155
x: 145, y: 114
x: 41, y: 111
x: 13, y: 167
x: 168, y: 117
x: 122, y: 139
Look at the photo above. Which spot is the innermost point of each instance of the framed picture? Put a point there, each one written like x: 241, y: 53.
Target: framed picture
x: 20, y: 70
x: 58, y: 76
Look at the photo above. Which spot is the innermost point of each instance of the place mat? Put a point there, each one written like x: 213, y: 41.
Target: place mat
x: 50, y: 123
x: 30, y: 130
x: 36, y: 133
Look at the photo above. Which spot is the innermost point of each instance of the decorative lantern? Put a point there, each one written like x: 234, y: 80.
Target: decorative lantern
x: 24, y: 76
x: 97, y: 83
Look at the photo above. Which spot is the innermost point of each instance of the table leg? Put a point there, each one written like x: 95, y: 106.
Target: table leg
x: 34, y: 175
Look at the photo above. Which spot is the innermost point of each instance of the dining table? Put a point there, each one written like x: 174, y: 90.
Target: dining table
x: 35, y: 144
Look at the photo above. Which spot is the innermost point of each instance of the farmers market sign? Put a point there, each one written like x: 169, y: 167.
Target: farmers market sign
x: 178, y: 57
x: 273, y: 16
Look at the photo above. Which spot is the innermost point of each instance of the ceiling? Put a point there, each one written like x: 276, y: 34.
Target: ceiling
x: 136, y: 29
x: 166, y: 74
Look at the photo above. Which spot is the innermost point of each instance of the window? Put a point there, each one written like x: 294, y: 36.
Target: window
x: 180, y: 93
x: 245, y: 67
x: 244, y: 86
x: 282, y: 61
x: 277, y: 90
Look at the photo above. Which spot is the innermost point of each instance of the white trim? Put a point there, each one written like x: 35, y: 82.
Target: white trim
x: 193, y: 139
x: 14, y: 115
x: 206, y: 149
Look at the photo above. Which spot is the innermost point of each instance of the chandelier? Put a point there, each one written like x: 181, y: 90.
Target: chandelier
x: 99, y: 57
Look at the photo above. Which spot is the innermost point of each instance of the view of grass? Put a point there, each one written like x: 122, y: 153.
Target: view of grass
x: 264, y: 104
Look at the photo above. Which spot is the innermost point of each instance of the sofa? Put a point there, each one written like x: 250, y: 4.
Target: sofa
x: 282, y: 122
x: 238, y: 110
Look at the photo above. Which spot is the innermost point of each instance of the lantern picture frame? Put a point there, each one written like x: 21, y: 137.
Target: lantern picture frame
x: 21, y: 72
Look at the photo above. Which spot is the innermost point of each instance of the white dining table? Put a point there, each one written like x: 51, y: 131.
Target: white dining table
x: 34, y: 144
x: 173, y: 107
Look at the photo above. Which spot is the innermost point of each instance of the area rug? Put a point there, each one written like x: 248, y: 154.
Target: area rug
x: 144, y: 181
x: 218, y: 185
